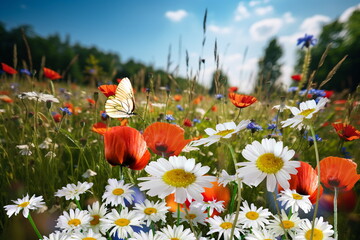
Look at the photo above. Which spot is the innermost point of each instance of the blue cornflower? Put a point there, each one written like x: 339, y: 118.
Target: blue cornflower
x: 318, y: 139
x: 306, y: 41
x: 179, y: 107
x: 292, y: 89
x: 195, y: 120
x: 65, y: 111
x: 25, y: 71
x: 345, y: 153
x: 271, y: 126
x: 253, y: 126
x: 104, y: 115
x: 219, y: 96
x: 169, y: 117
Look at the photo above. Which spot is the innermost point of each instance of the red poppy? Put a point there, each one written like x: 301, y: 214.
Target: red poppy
x: 341, y: 101
x: 338, y: 172
x: 91, y: 101
x: 57, y: 117
x: 6, y: 99
x: 232, y: 89
x: 165, y: 139
x: 305, y: 182
x: 51, y: 74
x: 241, y: 101
x: 198, y: 100
x: 177, y: 97
x: 328, y: 93
x: 296, y: 77
x: 214, y: 108
x: 126, y: 146
x: 346, y: 131
x: 346, y: 201
x: 100, y: 128
x: 108, y: 90
x: 8, y: 69
x: 187, y: 122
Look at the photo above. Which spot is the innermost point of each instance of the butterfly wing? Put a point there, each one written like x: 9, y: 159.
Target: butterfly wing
x: 122, y: 104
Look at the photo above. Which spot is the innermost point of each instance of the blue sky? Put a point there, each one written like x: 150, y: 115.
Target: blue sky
x: 144, y: 30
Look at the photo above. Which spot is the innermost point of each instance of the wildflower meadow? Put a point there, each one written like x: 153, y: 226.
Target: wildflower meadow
x: 124, y: 160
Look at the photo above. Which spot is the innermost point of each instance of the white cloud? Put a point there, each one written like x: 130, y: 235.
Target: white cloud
x: 288, y: 18
x: 219, y: 30
x: 266, y: 28
x: 264, y: 10
x: 241, y: 12
x: 312, y: 25
x: 176, y: 16
x: 254, y: 3
x: 348, y: 12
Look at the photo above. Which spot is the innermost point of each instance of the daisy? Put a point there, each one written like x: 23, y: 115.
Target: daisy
x: 90, y: 235
x: 322, y: 230
x: 224, y: 226
x: 176, y: 232
x: 41, y: 97
x: 270, y: 160
x: 290, y: 198
x: 120, y: 223
x: 258, y: 234
x: 194, y: 214
x: 210, y: 206
x: 290, y: 224
x: 177, y: 175
x: 252, y: 216
x: 74, y: 220
x: 46, y: 144
x: 24, y: 150
x: 57, y: 235
x: 304, y: 113
x: 25, y: 204
x: 96, y: 212
x: 117, y: 191
x: 152, y: 212
x: 146, y: 236
x: 225, y: 178
x: 72, y: 191
x: 223, y: 130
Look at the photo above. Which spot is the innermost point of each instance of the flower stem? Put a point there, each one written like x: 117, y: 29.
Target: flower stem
x: 280, y: 217
x: 191, y: 223
x: 178, y: 215
x: 78, y: 204
x: 318, y: 186
x: 34, y: 227
x: 237, y: 209
x: 335, y: 213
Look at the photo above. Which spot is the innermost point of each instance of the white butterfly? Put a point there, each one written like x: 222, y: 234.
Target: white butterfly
x: 122, y: 104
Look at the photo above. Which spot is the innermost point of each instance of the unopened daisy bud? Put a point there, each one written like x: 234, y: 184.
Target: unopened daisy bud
x: 48, y: 104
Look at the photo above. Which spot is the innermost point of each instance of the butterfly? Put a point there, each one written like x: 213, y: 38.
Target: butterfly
x: 122, y: 104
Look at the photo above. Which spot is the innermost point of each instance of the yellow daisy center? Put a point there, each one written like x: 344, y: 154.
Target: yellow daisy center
x: 318, y: 234
x: 89, y: 238
x: 150, y: 210
x: 179, y: 178
x: 297, y: 196
x: 252, y: 215
x: 226, y: 225
x: 95, y: 221
x: 118, y: 191
x: 268, y: 163
x: 307, y: 112
x: 74, y: 222
x: 174, y: 239
x: 122, y: 222
x: 190, y: 216
x: 24, y: 204
x: 288, y: 224
x: 223, y: 133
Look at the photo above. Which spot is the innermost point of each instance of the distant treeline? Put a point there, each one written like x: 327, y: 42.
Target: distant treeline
x: 22, y: 48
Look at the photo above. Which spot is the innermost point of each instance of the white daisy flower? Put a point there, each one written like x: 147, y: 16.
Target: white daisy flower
x: 210, y: 206
x: 281, y: 107
x: 189, y: 147
x: 50, y: 154
x: 90, y: 235
x: 146, y: 236
x: 178, y: 233
x: 290, y: 198
x: 96, y: 212
x: 200, y: 111
x: 57, y: 235
x: 223, y: 130
x: 158, y: 105
x: 253, y: 217
x: 290, y: 224
x: 120, y: 223
x: 258, y: 234
x: 74, y: 220
x: 195, y: 215
x: 224, y: 226
x: 305, y: 113
x: 46, y: 143
x: 177, y: 175
x: 89, y: 173
x: 24, y: 204
x: 117, y: 191
x: 225, y: 178
x: 24, y: 150
x: 41, y: 97
x: 270, y: 160
x: 72, y: 191
x: 322, y: 230
x: 152, y: 212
